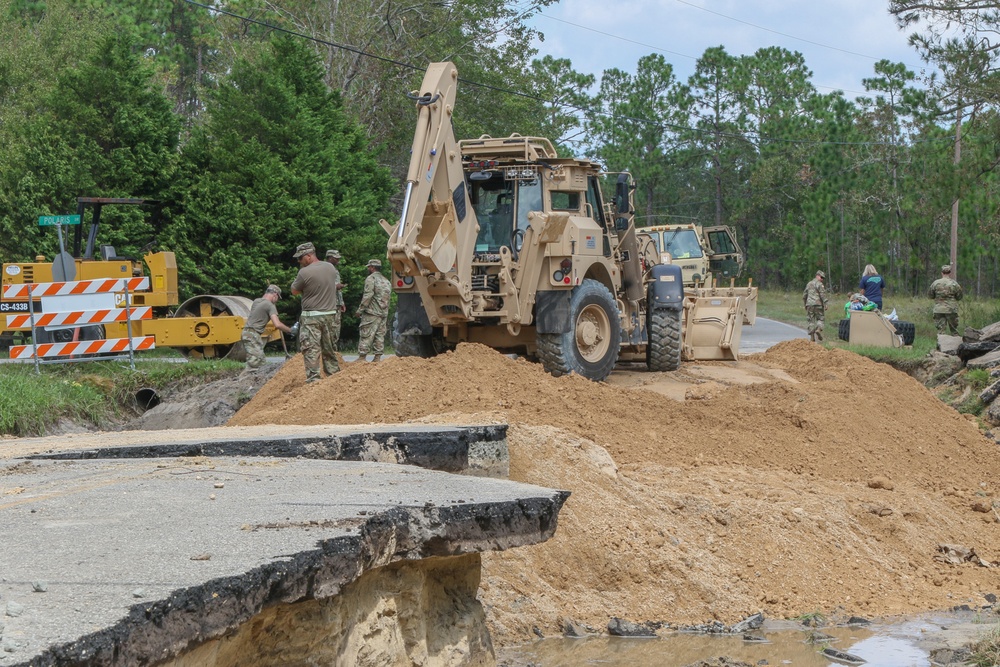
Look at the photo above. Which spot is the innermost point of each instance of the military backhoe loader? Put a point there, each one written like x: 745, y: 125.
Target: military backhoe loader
x: 502, y: 242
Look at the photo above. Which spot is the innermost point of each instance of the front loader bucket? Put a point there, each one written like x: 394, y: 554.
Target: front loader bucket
x: 748, y: 294
x: 712, y: 328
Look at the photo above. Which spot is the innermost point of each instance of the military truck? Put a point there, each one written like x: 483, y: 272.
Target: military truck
x: 502, y: 242
x: 709, y: 257
x: 704, y: 254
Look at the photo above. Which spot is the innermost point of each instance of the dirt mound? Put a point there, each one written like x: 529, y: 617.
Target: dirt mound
x: 818, y: 481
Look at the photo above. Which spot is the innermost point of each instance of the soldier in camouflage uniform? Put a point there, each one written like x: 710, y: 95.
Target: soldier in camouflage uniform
x: 373, y: 311
x: 814, y: 299
x: 946, y: 293
x: 333, y: 257
x: 318, y: 287
x: 261, y: 312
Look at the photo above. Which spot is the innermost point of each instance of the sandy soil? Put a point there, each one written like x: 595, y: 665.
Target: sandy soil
x: 800, y: 480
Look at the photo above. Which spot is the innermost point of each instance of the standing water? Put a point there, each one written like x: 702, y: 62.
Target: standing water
x: 902, y: 643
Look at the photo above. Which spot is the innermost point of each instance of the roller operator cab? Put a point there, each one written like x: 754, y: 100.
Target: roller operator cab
x: 504, y: 243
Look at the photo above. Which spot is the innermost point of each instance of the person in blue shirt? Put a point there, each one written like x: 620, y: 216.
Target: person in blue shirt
x: 872, y: 285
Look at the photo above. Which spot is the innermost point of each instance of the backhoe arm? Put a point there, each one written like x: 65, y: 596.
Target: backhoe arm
x: 437, y: 224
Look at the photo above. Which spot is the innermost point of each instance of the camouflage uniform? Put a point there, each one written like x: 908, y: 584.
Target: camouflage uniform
x: 814, y: 299
x: 337, y: 313
x: 315, y: 281
x: 253, y: 329
x: 340, y: 297
x: 946, y: 294
x: 374, y: 311
x: 316, y: 342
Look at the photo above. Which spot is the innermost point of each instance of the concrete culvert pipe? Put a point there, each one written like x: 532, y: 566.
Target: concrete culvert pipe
x: 146, y: 398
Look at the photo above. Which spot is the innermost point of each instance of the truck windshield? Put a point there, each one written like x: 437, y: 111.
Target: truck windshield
x: 681, y: 243
x: 493, y: 202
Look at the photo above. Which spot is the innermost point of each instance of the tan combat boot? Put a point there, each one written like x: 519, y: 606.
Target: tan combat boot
x: 377, y: 357
x: 819, y: 336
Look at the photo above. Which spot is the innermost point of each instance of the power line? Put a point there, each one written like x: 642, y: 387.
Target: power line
x: 618, y: 37
x: 659, y: 124
x: 684, y: 55
x: 776, y: 32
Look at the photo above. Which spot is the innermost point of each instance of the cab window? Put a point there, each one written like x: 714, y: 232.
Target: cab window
x: 565, y: 201
x: 594, y: 200
x: 682, y: 244
x: 529, y: 198
x: 493, y: 202
x: 721, y: 242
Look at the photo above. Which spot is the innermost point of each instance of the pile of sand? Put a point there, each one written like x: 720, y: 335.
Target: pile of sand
x: 829, y: 490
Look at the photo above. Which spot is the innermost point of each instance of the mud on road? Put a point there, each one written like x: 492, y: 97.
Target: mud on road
x: 801, y: 480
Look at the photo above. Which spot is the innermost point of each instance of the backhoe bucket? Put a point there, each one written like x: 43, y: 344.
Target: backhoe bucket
x: 712, y: 328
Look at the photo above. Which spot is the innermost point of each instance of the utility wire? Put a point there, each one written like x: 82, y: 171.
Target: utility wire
x: 760, y: 27
x: 684, y: 55
x: 600, y: 112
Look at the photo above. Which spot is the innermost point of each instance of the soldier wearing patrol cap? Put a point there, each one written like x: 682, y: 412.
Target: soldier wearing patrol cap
x: 317, y: 283
x: 333, y: 257
x: 814, y: 299
x: 262, y: 311
x: 373, y: 311
x: 946, y: 293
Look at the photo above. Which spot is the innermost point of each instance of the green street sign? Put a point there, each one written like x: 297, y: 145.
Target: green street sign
x: 58, y: 220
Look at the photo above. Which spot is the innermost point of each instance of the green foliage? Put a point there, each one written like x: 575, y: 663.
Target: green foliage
x: 95, y: 128
x: 276, y: 163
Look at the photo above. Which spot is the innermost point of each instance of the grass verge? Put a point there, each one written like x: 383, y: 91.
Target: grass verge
x: 98, y: 393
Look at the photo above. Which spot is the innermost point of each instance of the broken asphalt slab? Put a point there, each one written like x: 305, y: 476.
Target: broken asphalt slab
x: 116, y: 561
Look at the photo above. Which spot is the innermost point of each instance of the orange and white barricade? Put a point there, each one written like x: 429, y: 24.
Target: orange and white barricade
x: 57, y: 301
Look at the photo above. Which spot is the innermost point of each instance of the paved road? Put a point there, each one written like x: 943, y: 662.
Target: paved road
x: 765, y: 333
x: 757, y: 338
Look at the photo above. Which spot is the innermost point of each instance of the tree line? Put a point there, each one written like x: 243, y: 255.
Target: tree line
x: 259, y: 125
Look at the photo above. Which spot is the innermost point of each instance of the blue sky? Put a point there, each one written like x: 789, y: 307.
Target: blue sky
x: 840, y: 39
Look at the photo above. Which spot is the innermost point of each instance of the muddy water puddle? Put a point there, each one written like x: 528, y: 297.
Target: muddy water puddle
x: 900, y: 643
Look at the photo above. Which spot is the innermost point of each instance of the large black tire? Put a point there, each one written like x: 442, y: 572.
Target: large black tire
x: 92, y: 332
x: 906, y: 330
x: 590, y: 348
x: 663, y: 353
x: 410, y: 345
x: 844, y: 330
